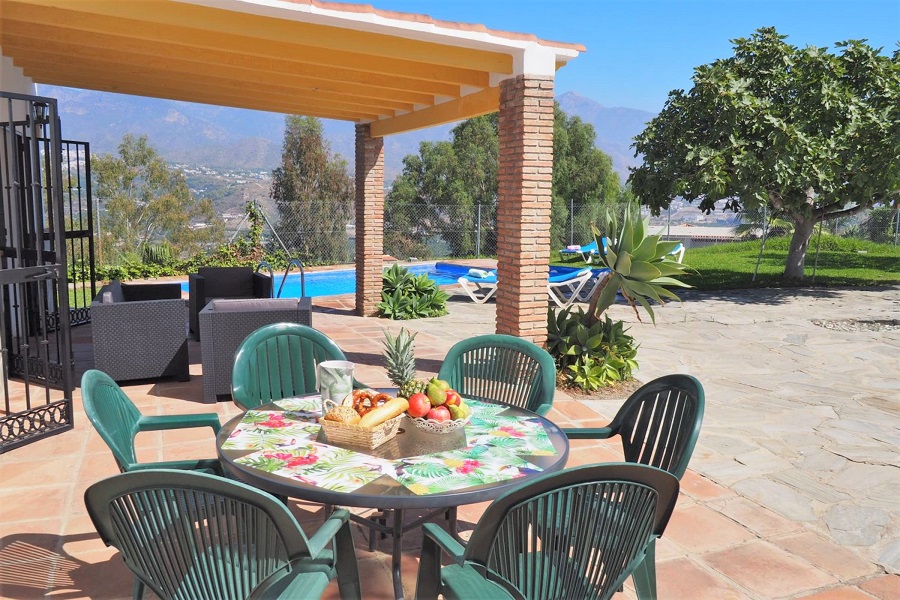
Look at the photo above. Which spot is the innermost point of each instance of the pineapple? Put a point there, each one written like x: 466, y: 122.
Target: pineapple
x: 400, y: 361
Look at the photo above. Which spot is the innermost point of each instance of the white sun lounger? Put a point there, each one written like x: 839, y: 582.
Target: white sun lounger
x: 479, y: 289
x: 565, y: 289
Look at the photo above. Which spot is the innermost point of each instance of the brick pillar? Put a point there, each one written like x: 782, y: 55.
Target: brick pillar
x: 523, y: 205
x: 369, y: 220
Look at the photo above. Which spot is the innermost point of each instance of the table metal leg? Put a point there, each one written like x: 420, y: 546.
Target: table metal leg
x: 395, y: 555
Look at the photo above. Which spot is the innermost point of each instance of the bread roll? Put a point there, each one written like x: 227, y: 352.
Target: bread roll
x: 342, y: 414
x: 383, y: 413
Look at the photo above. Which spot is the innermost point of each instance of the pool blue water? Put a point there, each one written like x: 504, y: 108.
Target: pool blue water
x: 330, y: 283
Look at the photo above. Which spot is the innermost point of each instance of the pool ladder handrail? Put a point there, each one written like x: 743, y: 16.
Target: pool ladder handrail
x: 264, y: 265
x: 294, y: 262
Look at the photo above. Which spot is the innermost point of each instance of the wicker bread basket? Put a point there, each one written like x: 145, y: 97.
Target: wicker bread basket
x: 354, y: 435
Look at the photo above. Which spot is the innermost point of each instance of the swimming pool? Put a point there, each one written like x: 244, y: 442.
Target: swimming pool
x: 331, y: 283
x: 343, y: 281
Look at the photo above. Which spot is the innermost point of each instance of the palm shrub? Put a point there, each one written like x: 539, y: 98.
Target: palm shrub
x: 641, y: 267
x: 590, y: 355
x: 408, y: 296
x: 591, y: 350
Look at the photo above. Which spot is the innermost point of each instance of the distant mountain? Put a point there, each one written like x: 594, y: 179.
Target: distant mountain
x: 232, y: 138
x: 616, y: 127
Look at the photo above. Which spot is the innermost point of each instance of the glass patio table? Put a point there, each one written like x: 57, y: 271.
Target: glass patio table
x: 280, y: 448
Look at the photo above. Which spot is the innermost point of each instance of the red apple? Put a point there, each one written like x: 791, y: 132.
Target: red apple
x: 453, y: 398
x: 439, y: 414
x: 419, y: 405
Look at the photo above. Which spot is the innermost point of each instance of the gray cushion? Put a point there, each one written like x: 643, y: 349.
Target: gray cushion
x: 252, y: 304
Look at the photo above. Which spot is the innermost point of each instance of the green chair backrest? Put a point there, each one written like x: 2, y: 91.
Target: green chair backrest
x: 192, y: 535
x: 112, y: 413
x: 573, y: 534
x: 502, y: 368
x: 279, y: 361
x: 659, y: 423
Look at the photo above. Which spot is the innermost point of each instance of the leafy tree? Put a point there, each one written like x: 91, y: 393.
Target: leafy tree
x: 815, y: 135
x: 581, y: 172
x: 313, y: 192
x: 451, y: 178
x: 150, y: 212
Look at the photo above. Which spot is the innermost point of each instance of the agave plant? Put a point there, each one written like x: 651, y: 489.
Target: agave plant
x: 640, y: 265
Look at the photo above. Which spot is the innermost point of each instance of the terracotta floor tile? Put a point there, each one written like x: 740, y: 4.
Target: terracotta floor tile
x: 590, y: 455
x: 683, y: 579
x: 700, y: 529
x: 11, y: 531
x: 95, y: 467
x: 701, y: 488
x: 25, y: 504
x: 767, y: 570
x: 844, y: 593
x: 884, y: 587
x: 667, y: 549
x: 827, y: 555
x: 26, y: 473
x: 63, y: 444
x: 754, y: 517
x: 575, y: 410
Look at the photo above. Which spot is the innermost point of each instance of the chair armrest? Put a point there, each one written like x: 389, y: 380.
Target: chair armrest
x: 447, y: 542
x: 588, y: 433
x: 209, y: 465
x: 327, y: 531
x: 158, y: 423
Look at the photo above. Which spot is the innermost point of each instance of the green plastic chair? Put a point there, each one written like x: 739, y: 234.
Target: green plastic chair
x: 118, y: 421
x: 279, y: 361
x: 503, y: 369
x: 659, y: 425
x: 576, y: 534
x: 196, y: 536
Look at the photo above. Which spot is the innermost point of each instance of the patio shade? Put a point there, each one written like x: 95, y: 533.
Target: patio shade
x: 349, y: 62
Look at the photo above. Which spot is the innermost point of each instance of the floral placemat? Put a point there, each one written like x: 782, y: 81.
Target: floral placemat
x: 457, y: 469
x: 267, y: 430
x: 306, y: 406
x: 513, y: 434
x: 321, y: 465
x: 485, y: 408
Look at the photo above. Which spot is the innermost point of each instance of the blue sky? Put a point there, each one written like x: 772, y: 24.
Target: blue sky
x: 639, y: 50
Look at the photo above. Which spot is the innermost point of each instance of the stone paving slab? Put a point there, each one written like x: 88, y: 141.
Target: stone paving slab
x: 819, y: 405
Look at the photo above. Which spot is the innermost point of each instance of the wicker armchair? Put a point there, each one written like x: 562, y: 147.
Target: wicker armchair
x: 140, y: 331
x: 209, y: 283
x: 225, y: 323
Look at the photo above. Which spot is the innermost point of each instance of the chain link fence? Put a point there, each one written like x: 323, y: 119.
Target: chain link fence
x: 324, y: 233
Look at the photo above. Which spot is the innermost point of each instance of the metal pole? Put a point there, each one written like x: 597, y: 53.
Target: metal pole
x: 762, y: 246
x: 669, y: 221
x: 478, y: 234
x: 571, y: 220
x: 816, y: 262
x: 897, y: 226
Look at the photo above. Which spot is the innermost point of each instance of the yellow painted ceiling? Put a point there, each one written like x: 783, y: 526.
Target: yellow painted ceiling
x: 336, y: 61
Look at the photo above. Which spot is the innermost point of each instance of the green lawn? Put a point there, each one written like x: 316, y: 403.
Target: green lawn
x: 841, y: 262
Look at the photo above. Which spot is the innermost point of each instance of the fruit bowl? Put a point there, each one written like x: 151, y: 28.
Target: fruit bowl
x: 432, y: 426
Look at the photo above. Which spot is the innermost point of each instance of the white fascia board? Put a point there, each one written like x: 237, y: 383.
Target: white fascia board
x: 373, y: 23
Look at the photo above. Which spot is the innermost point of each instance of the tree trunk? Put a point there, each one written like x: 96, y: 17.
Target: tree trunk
x: 796, y: 260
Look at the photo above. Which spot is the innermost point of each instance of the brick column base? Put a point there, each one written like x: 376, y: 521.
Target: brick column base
x: 369, y: 220
x: 523, y: 206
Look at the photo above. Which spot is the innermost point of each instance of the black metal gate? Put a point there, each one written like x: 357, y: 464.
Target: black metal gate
x: 35, y: 341
x: 78, y: 216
